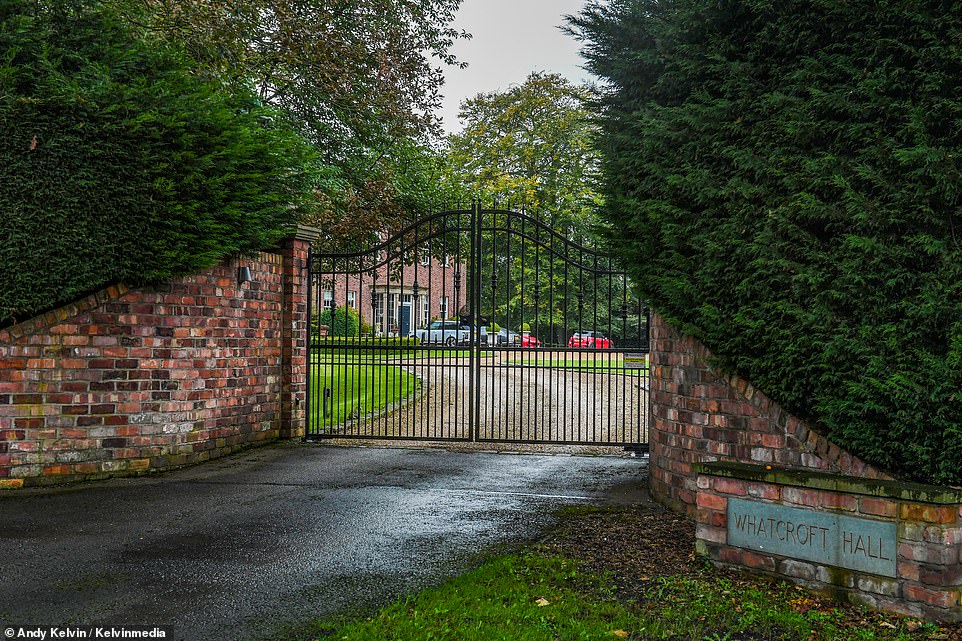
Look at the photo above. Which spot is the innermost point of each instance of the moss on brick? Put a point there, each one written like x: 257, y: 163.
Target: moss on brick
x: 896, y: 490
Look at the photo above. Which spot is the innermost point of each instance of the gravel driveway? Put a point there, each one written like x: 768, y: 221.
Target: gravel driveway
x: 588, y: 399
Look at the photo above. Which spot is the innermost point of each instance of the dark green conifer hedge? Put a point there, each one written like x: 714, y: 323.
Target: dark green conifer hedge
x: 118, y: 164
x: 784, y: 179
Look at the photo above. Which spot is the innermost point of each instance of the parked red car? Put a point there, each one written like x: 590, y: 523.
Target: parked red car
x: 527, y: 340
x: 595, y: 340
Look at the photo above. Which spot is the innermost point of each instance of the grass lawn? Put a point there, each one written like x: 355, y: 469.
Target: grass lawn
x: 498, y: 601
x: 356, y: 390
x: 606, y: 577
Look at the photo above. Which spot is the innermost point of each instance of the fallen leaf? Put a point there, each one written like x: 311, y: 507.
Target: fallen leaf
x: 886, y: 624
x: 542, y: 602
x: 34, y: 143
x: 621, y: 634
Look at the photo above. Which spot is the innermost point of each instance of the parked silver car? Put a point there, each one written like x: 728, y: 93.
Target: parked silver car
x: 448, y: 332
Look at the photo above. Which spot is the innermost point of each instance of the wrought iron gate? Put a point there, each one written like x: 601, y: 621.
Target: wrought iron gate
x: 477, y: 325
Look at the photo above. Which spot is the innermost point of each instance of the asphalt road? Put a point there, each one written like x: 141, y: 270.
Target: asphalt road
x: 250, y: 546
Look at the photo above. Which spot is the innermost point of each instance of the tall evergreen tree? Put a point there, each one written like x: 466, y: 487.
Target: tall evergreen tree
x: 783, y: 179
x: 117, y: 163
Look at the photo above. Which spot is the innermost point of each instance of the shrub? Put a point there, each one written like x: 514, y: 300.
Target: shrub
x: 342, y: 321
x: 367, y: 341
x: 783, y: 181
x: 118, y: 164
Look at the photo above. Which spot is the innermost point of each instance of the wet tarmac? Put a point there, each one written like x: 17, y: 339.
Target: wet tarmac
x: 251, y: 546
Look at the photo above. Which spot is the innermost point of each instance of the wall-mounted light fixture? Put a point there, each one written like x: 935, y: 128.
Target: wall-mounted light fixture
x: 244, y: 275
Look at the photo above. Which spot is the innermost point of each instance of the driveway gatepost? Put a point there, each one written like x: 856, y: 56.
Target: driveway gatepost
x: 294, y: 348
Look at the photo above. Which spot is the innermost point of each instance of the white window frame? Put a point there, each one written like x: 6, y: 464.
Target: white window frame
x: 424, y: 317
x: 393, y: 311
x: 378, y: 304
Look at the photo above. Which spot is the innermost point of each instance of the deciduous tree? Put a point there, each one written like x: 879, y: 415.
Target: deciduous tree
x: 530, y: 144
x: 361, y: 79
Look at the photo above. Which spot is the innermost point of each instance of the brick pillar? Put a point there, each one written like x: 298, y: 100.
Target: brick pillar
x: 294, y: 332
x: 667, y: 485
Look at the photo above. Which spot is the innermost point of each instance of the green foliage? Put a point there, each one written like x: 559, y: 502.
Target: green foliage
x: 530, y: 145
x: 342, y: 321
x: 404, y: 182
x: 360, y: 79
x: 118, y: 164
x: 349, y: 73
x: 783, y: 179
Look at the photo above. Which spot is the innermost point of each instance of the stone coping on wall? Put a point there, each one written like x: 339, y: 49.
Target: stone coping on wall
x: 56, y: 316
x: 307, y: 233
x: 115, y: 291
x: 898, y: 490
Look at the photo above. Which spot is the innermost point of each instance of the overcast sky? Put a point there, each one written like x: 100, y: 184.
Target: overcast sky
x: 511, y: 39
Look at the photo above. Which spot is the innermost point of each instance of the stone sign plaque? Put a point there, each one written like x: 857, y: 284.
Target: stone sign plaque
x: 823, y: 537
x: 636, y: 360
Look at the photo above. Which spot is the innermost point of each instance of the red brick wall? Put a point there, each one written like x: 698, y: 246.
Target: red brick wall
x: 131, y: 380
x: 700, y: 414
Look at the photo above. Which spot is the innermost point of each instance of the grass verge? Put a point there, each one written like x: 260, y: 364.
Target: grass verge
x: 532, y: 597
x: 653, y: 591
x: 520, y: 597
